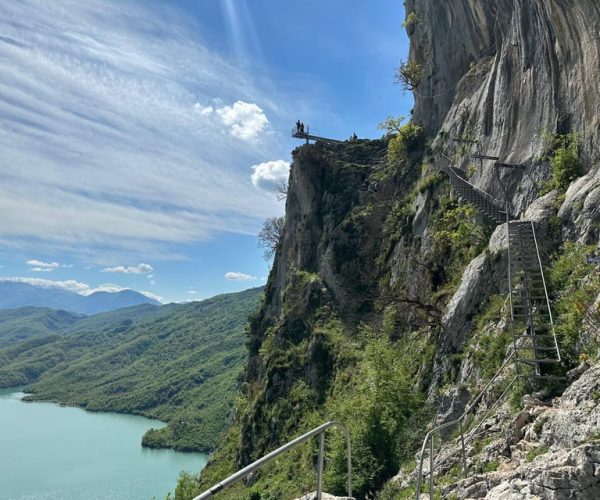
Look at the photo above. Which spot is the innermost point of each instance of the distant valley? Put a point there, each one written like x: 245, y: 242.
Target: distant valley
x: 178, y: 363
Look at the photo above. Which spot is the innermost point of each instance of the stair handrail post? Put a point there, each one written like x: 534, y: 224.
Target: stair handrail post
x: 257, y: 464
x: 431, y: 452
x: 468, y: 409
x: 463, y: 451
x: 320, y: 466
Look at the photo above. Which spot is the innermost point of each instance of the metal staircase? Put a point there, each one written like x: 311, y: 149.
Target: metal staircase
x: 485, y: 203
x: 535, y: 347
x: 534, y: 340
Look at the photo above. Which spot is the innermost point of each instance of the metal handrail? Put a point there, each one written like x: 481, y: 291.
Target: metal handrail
x: 479, y: 190
x: 487, y: 196
x: 310, y: 137
x: 537, y: 251
x: 459, y: 421
x: 318, y: 431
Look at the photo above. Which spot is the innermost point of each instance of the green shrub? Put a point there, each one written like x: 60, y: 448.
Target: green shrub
x: 574, y: 285
x: 564, y: 161
x: 387, y: 417
x: 491, y: 466
x: 457, y: 236
x: 404, y: 139
x: 532, y: 454
x: 410, y: 23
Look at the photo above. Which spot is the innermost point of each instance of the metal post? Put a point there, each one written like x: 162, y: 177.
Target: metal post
x: 349, y: 448
x: 431, y: 469
x: 320, y: 465
x: 462, y: 443
x: 510, y: 292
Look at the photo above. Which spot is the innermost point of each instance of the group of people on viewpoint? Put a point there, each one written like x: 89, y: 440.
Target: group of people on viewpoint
x: 300, y: 130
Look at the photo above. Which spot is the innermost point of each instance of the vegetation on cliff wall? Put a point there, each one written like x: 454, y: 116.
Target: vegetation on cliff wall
x: 380, y: 263
x: 347, y: 331
x: 575, y: 285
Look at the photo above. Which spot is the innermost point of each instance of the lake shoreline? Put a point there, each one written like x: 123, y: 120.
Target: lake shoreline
x: 79, y: 453
x: 30, y: 397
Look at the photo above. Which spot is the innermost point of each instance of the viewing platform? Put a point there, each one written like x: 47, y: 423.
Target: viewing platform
x: 300, y: 133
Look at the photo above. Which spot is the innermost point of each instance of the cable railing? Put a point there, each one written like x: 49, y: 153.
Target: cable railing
x: 464, y: 437
x: 318, y: 431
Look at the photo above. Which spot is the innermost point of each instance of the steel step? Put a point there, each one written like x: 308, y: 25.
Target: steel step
x: 542, y: 377
x: 546, y: 361
x: 536, y: 348
x: 540, y: 336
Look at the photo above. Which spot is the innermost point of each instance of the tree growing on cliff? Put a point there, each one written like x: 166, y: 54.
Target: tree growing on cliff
x: 270, y: 235
x: 281, y: 190
x: 409, y: 74
x: 403, y: 138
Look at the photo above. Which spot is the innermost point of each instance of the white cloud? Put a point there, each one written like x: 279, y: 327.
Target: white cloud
x: 235, y: 276
x: 106, y: 287
x: 204, y: 110
x: 103, y: 150
x: 141, y: 268
x: 76, y: 286
x: 245, y: 120
x: 42, y: 267
x: 267, y: 174
x: 192, y: 292
x: 70, y: 285
x: 151, y: 295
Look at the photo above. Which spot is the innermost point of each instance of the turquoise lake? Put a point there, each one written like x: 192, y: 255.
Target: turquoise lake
x: 49, y: 452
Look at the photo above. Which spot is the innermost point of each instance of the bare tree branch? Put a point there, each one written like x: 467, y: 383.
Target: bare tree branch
x: 270, y: 236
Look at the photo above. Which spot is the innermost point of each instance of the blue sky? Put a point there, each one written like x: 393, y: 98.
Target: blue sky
x: 139, y: 140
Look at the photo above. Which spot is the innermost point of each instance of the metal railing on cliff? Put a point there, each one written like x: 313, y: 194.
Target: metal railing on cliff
x: 317, y: 431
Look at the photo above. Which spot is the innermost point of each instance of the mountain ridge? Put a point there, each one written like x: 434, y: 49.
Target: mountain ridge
x: 16, y: 294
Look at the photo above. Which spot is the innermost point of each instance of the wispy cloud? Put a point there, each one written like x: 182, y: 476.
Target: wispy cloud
x: 103, y: 146
x: 41, y: 266
x: 141, y: 268
x: 235, y: 276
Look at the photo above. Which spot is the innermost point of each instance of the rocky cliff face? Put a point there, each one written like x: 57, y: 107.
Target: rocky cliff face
x: 378, y: 260
x: 506, y: 73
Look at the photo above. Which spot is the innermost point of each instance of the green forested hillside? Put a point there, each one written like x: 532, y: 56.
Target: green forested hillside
x: 177, y: 363
x: 24, y: 323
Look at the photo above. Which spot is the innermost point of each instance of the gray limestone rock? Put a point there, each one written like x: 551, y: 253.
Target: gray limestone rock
x: 506, y: 74
x: 564, y: 474
x: 576, y: 418
x: 473, y: 286
x: 324, y: 496
x: 580, y: 212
